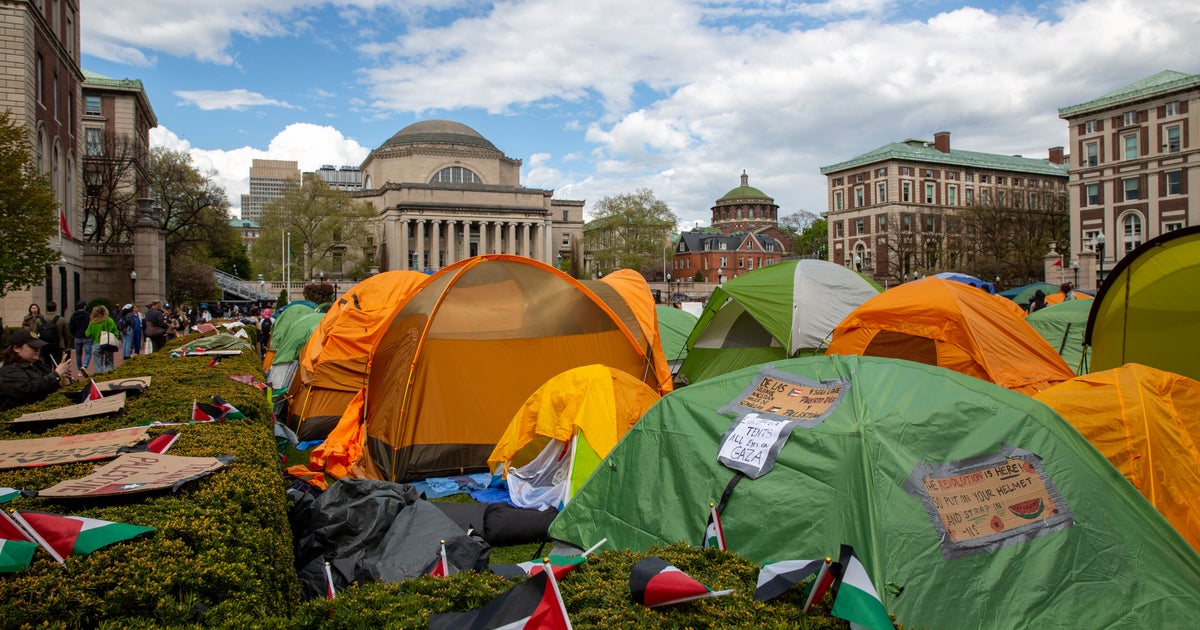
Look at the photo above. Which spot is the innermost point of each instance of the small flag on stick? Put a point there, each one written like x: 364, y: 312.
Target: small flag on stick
x: 16, y: 547
x: 229, y: 412
x: 655, y: 583
x: 561, y: 565
x: 204, y: 412
x: 93, y: 392
x: 533, y: 604
x: 8, y: 494
x: 441, y: 566
x: 330, y: 591
x: 64, y: 536
x: 714, y: 534
x: 855, y: 598
x: 775, y: 578
x: 820, y: 585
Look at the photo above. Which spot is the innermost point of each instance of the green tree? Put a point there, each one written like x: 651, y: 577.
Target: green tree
x: 190, y: 281
x: 1010, y: 241
x: 28, y: 211
x: 330, y: 232
x: 813, y: 240
x: 195, y: 211
x: 630, y: 231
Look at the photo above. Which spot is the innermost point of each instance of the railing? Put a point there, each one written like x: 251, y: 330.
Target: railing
x: 244, y: 289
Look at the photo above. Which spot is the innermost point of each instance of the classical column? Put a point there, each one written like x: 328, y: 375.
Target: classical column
x: 435, y: 248
x: 483, y: 239
x: 499, y: 237
x: 403, y: 249
x: 420, y: 244
x: 466, y: 236
x: 451, y: 226
x: 512, y: 238
x: 525, y: 239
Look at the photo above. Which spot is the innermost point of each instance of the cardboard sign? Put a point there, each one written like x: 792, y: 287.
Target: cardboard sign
x: 135, y: 382
x: 200, y: 352
x: 68, y: 448
x: 752, y: 443
x: 138, y: 472
x: 988, y: 502
x: 788, y: 397
x: 103, y: 406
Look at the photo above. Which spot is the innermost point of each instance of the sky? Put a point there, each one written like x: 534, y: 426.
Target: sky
x: 611, y: 96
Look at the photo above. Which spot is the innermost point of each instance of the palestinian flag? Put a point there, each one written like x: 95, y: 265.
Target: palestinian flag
x: 16, y: 548
x: 655, y: 583
x: 163, y: 442
x: 534, y: 603
x: 229, y: 411
x: 441, y: 564
x: 330, y: 591
x: 820, y: 586
x: 93, y: 392
x: 855, y: 599
x: 714, y: 534
x: 8, y: 494
x: 775, y: 578
x: 66, y: 536
x: 203, y: 412
x: 560, y: 565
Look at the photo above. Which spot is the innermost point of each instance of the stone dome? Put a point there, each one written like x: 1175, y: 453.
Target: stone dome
x: 439, y: 132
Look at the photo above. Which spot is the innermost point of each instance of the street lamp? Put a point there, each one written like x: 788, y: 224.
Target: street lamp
x: 1098, y: 241
x: 133, y: 286
x: 670, y: 292
x: 335, y: 289
x: 1075, y: 269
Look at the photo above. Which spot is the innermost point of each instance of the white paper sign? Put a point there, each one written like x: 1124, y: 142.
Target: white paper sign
x: 751, y: 444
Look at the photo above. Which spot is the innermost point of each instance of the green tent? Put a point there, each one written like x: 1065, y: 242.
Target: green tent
x: 1062, y: 325
x: 771, y: 313
x: 674, y: 326
x: 1023, y: 295
x: 1148, y: 310
x: 970, y: 505
x: 289, y: 333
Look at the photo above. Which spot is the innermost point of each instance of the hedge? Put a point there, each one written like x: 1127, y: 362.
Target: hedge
x: 222, y: 556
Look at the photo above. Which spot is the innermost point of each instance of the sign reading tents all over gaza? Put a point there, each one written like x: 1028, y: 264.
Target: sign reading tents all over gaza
x: 138, y: 472
x: 68, y: 448
x: 103, y: 406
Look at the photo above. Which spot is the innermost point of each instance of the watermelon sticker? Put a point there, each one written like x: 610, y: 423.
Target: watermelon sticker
x: 988, y: 502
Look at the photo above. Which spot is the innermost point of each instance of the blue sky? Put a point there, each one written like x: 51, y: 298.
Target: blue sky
x: 609, y: 96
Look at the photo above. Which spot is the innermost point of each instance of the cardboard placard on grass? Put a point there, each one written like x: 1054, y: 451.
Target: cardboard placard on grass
x: 138, y: 472
x: 100, y: 407
x: 66, y: 449
x: 121, y: 384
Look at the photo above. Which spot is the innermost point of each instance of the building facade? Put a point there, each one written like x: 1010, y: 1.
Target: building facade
x: 746, y: 209
x: 268, y: 181
x: 344, y: 178
x: 706, y: 255
x: 1137, y: 150
x: 444, y: 193
x: 247, y: 230
x: 894, y: 211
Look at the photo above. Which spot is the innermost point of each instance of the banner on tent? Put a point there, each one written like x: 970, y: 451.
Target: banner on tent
x: 751, y: 444
x: 988, y: 502
x: 788, y: 397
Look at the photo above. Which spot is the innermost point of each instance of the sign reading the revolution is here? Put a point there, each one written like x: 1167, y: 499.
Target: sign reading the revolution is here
x: 988, y: 502
x: 68, y: 448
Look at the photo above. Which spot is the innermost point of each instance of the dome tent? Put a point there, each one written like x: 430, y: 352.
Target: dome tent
x: 1062, y: 326
x: 877, y: 472
x: 771, y: 313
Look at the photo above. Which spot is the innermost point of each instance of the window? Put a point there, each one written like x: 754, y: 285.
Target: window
x: 952, y: 195
x: 1092, y: 154
x: 970, y: 196
x: 906, y: 192
x: 1131, y: 189
x: 858, y: 178
x: 928, y: 193
x: 1131, y: 146
x: 724, y: 262
x: 1000, y: 197
x: 1131, y: 226
x: 929, y: 223
x: 985, y: 197
x: 1016, y: 181
x: 906, y: 170
x: 93, y: 141
x: 952, y: 175
x: 455, y: 175
x: 837, y: 181
x: 1090, y: 126
x: 1093, y: 195
x: 1171, y: 109
x: 983, y: 179
x: 999, y: 180
x: 970, y: 177
x: 1130, y: 118
x: 881, y: 192
x: 741, y: 262
x: 1174, y: 179
x: 906, y: 223
x: 837, y: 229
x: 882, y: 222
x: 41, y: 87
x: 859, y: 225
x: 1171, y: 227
x: 56, y: 116
x: 881, y: 172
x: 566, y: 215
x: 1173, y: 144
x: 858, y: 196
x: 837, y: 200
x: 91, y: 105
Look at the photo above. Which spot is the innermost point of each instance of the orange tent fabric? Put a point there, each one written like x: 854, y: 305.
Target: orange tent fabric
x: 1147, y: 423
x: 955, y: 326
x: 462, y: 354
x: 632, y: 288
x: 1057, y: 297
x: 341, y: 451
x: 333, y: 363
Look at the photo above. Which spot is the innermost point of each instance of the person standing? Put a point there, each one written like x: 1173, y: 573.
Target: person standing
x: 55, y: 333
x: 98, y: 324
x: 131, y: 332
x: 83, y: 344
x: 156, y: 326
x: 32, y: 322
x: 1038, y: 302
x: 24, y: 377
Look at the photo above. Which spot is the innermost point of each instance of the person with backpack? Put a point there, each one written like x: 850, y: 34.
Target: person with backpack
x: 264, y: 331
x: 55, y: 333
x: 156, y: 326
x: 131, y: 332
x: 78, y: 329
x: 106, y: 340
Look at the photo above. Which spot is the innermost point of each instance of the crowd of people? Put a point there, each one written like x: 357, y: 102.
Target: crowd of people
x: 50, y: 349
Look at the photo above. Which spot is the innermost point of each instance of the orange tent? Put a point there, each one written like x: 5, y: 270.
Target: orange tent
x: 635, y: 294
x: 955, y: 326
x: 1058, y: 296
x: 1144, y: 421
x: 464, y: 352
x: 333, y: 363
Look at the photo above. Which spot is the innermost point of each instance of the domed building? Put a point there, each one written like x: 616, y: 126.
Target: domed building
x: 745, y: 209
x: 444, y: 193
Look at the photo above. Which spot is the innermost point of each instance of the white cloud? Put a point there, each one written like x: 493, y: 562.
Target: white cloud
x: 238, y: 100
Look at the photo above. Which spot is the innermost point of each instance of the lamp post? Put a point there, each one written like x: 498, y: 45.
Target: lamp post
x: 335, y: 289
x: 1099, y: 247
x: 670, y: 293
x: 133, y: 286
x: 1075, y: 269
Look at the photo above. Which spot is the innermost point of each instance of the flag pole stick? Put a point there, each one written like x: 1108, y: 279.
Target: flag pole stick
x: 594, y: 547
x: 445, y: 561
x: 816, y: 587
x: 38, y: 537
x: 562, y: 606
x: 329, y: 580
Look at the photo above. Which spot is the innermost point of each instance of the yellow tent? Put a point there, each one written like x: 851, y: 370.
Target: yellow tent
x: 571, y: 421
x: 1147, y: 423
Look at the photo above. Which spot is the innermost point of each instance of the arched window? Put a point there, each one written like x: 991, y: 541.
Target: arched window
x: 862, y: 260
x: 455, y: 175
x: 39, y: 151
x: 1132, y: 234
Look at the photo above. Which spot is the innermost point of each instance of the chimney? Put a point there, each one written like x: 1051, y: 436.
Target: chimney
x: 941, y: 141
x: 1056, y: 155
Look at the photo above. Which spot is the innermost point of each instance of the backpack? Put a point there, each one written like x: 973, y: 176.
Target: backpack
x: 265, y: 326
x: 122, y: 322
x: 48, y: 332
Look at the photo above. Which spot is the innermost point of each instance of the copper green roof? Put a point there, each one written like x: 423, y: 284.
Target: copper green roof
x: 1164, y: 82
x: 745, y: 191
x: 99, y: 80
x: 923, y: 151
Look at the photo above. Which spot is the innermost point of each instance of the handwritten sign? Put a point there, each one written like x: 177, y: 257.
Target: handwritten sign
x: 137, y: 472
x: 788, y: 397
x: 752, y: 442
x: 68, y: 448
x: 985, y: 503
x: 99, y: 407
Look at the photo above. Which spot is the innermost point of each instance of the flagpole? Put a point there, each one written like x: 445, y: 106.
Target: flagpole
x: 562, y: 606
x: 816, y: 587
x: 445, y: 561
x: 329, y: 580
x: 594, y: 547
x: 38, y: 537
